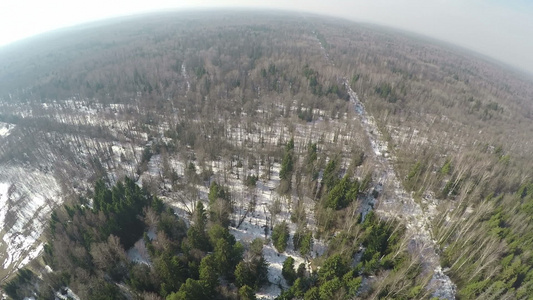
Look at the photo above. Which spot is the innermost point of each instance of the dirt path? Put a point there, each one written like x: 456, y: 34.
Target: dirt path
x: 396, y: 202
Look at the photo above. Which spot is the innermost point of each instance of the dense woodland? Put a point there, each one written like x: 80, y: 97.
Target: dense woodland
x: 210, y: 99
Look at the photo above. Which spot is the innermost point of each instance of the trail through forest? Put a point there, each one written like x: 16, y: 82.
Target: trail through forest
x: 396, y: 202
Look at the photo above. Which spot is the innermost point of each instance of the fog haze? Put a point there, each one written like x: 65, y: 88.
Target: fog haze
x: 499, y: 29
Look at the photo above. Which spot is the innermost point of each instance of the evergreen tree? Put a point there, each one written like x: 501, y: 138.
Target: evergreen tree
x: 219, y: 204
x: 171, y: 270
x: 334, y: 266
x: 312, y: 294
x: 192, y: 290
x: 280, y: 236
x: 196, y: 234
x: 288, y: 270
x: 287, y: 165
x: 303, y: 241
x: 222, y: 257
x: 331, y: 289
x: 244, y: 274
x: 247, y: 293
x: 208, y: 271
x: 330, y: 176
x: 253, y: 271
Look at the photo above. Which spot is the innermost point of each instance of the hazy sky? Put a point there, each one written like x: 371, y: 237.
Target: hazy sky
x: 502, y: 29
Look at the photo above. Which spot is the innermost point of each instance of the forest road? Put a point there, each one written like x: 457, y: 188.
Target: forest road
x: 398, y: 203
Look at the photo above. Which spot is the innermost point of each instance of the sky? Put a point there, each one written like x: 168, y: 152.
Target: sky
x: 502, y: 29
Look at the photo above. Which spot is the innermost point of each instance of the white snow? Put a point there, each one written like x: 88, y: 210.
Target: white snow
x: 30, y: 196
x: 67, y: 296
x: 396, y: 202
x: 5, y: 129
x: 32, y: 255
x: 138, y: 253
x: 4, y: 188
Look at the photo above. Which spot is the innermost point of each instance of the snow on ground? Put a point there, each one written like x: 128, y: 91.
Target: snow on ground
x: 5, y: 129
x: 4, y: 196
x: 66, y: 294
x: 31, y: 255
x: 254, y: 226
x: 29, y: 193
x: 254, y: 221
x: 396, y: 202
x: 138, y: 253
x: 30, y: 196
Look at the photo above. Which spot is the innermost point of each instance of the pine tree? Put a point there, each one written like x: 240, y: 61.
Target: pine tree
x: 246, y: 293
x: 197, y: 234
x: 288, y: 270
x: 287, y: 164
x: 280, y: 236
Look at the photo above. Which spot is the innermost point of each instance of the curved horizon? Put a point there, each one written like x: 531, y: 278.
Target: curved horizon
x: 498, y: 29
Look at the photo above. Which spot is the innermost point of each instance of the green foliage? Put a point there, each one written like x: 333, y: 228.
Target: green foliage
x: 498, y: 225
x: 305, y: 114
x: 352, y: 284
x: 247, y: 293
x: 472, y: 290
x: 122, y: 202
x: 222, y: 256
x: 171, y: 270
x: 217, y: 191
x: 192, y: 290
x: 312, y: 294
x: 341, y: 92
x: 303, y: 241
x: 301, y: 270
x: 197, y: 235
x: 342, y: 194
x: 208, y: 271
x: 446, y: 168
x: 452, y: 187
x: 312, y: 156
x: 252, y: 273
x: 288, y: 270
x: 280, y: 236
x: 334, y: 266
x: 330, y: 178
x: 355, y: 78
x: 287, y: 162
x: 105, y: 291
x: 331, y: 289
x: 200, y: 71
x: 299, y: 287
x: 251, y: 180
x: 385, y: 91
x: 21, y: 286
x: 244, y: 274
x: 227, y: 252
x: 142, y: 278
x: 220, y: 210
x: 174, y: 227
x: 379, y: 240
x: 414, y: 175
x: 312, y: 77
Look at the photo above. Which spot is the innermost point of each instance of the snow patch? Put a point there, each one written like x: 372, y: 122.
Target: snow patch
x: 66, y: 294
x: 30, y: 196
x: 5, y: 129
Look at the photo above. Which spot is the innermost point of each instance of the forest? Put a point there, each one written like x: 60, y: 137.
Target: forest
x: 238, y: 155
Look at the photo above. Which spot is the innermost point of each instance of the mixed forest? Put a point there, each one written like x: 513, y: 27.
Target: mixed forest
x: 240, y: 155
